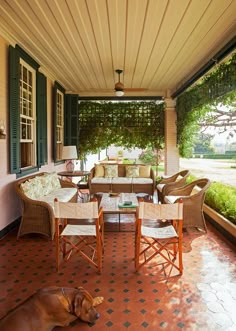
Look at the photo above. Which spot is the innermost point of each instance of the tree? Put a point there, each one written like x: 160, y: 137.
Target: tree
x: 203, y: 144
x: 220, y: 116
x: 152, y: 156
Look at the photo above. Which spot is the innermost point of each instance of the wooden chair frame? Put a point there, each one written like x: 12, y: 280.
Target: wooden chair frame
x: 86, y: 225
x: 169, y: 247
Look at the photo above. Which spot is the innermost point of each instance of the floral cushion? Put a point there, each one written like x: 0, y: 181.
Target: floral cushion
x: 111, y: 170
x: 132, y: 171
x: 49, y: 182
x: 32, y: 188
x: 39, y: 186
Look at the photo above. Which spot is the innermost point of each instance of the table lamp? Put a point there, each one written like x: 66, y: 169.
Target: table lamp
x: 69, y: 153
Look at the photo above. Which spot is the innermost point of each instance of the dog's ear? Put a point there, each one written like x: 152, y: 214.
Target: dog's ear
x: 77, y: 303
x: 97, y: 301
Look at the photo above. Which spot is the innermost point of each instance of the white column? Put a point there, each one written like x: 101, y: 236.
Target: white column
x: 171, y: 149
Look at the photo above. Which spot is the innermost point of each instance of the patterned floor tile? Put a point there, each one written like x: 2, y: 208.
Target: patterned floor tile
x: 201, y: 299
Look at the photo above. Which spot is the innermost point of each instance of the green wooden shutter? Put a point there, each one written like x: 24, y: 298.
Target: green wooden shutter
x: 71, y: 120
x: 14, y: 109
x: 41, y: 109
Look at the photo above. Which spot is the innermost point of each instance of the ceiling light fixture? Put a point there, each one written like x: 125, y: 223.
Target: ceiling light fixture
x: 119, y: 93
x: 119, y: 87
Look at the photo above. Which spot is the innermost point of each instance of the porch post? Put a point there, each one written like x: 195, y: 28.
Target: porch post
x: 171, y: 150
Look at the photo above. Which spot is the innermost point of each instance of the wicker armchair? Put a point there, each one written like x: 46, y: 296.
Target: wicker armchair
x: 38, y: 216
x: 193, y: 196
x: 169, y: 183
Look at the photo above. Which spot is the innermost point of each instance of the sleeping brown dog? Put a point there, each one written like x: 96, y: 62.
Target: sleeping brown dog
x: 50, y: 307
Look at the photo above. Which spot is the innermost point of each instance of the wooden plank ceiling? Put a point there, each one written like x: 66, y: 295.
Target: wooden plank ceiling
x: 159, y: 44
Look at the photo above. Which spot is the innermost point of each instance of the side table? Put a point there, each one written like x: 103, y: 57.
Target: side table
x: 81, y: 183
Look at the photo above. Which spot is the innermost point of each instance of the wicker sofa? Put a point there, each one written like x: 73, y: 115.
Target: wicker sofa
x: 125, y: 178
x: 37, y: 193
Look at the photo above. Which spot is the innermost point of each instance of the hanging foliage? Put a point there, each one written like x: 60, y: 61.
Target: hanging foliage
x: 128, y: 124
x: 214, y: 88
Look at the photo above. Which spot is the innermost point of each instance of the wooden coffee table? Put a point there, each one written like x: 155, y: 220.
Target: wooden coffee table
x: 110, y: 204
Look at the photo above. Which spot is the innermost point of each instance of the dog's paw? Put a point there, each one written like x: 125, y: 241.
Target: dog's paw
x: 97, y: 301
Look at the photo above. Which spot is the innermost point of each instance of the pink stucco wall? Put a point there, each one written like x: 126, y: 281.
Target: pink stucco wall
x: 10, y: 207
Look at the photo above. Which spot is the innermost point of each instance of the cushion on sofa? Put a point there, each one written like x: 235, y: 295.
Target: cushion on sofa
x: 99, y: 170
x: 32, y: 188
x: 160, y: 187
x: 132, y: 171
x: 111, y: 170
x: 39, y: 186
x: 121, y: 180
x: 64, y: 194
x: 49, y: 182
x: 172, y: 198
x: 142, y: 181
x: 100, y: 180
x: 144, y: 171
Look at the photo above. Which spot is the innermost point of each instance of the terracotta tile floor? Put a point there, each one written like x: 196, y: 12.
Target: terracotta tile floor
x: 204, y: 298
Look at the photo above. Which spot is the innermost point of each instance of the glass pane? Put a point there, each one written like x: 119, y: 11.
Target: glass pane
x: 30, y: 78
x: 24, y: 74
x: 29, y: 135
x: 23, y: 131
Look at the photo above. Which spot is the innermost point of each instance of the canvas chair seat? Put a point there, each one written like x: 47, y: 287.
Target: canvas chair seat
x: 158, y: 236
x: 82, y: 232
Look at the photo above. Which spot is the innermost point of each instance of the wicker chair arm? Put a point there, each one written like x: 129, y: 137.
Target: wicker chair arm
x: 171, y: 186
x: 65, y: 183
x: 31, y: 202
x: 184, y: 190
x: 169, y: 179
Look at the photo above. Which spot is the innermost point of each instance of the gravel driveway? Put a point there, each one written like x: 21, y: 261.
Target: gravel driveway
x: 215, y: 170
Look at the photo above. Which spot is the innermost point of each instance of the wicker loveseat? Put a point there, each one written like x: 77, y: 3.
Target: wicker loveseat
x: 37, y: 193
x: 125, y: 178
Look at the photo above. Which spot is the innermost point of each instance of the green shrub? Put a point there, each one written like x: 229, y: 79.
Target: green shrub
x: 222, y: 198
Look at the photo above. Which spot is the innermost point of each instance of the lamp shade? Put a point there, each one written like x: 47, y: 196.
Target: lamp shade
x: 69, y: 153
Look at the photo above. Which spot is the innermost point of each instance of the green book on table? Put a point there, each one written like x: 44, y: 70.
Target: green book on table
x: 127, y: 204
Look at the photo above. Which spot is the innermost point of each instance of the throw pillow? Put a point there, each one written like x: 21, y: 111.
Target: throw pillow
x: 144, y: 171
x: 132, y: 171
x: 111, y: 170
x: 99, y: 170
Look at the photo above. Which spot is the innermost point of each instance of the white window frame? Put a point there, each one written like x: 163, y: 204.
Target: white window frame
x: 60, y: 123
x: 27, y: 103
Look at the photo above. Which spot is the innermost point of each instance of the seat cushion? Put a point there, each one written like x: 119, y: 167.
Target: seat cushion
x: 142, y: 181
x: 160, y: 187
x: 172, y: 198
x: 64, y: 194
x: 121, y: 180
x: 101, y: 180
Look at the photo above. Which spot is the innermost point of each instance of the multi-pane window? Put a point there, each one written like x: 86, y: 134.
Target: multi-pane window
x: 59, y: 123
x: 27, y: 115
